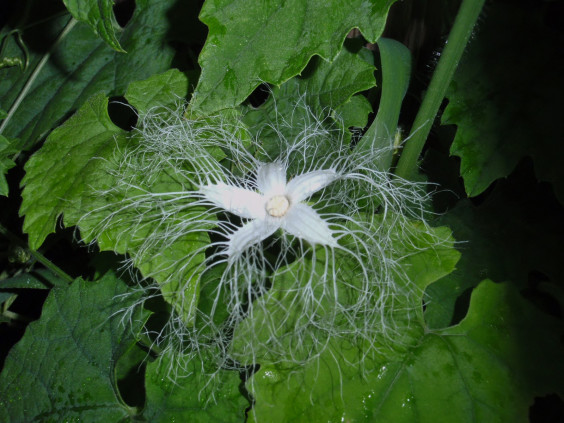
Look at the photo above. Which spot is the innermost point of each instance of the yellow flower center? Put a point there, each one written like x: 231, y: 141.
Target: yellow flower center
x: 278, y: 205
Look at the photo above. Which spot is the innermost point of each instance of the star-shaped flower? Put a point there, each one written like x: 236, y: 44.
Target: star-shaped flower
x: 277, y: 203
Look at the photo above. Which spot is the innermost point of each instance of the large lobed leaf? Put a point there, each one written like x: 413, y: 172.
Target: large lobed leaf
x: 252, y: 42
x: 63, y: 369
x: 340, y: 384
x: 488, y: 368
x: 73, y: 175
x: 61, y: 175
x: 77, y: 66
x: 325, y: 87
x: 503, y: 100
x: 503, y: 239
x: 53, y: 186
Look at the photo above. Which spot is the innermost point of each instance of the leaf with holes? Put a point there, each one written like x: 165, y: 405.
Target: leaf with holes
x: 252, y: 42
x: 326, y: 86
x: 71, y: 175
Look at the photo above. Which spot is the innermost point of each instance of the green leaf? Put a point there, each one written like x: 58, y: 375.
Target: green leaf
x: 63, y: 367
x: 58, y: 177
x: 423, y: 260
x: 99, y: 15
x: 355, y: 112
x: 39, y: 279
x: 488, y: 368
x: 504, y: 114
x: 323, y: 87
x: 252, y: 42
x: 200, y: 397
x: 72, y: 64
x: 74, y: 174
x: 515, y: 234
x: 160, y: 90
x: 7, y: 149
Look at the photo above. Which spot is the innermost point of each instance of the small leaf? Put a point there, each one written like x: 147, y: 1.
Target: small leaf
x: 355, y: 112
x: 7, y: 149
x: 99, y: 15
x: 63, y: 367
x: 252, y: 42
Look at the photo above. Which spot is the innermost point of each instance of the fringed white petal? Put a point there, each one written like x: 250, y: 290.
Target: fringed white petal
x: 304, y: 222
x: 303, y: 186
x: 240, y: 201
x: 250, y: 233
x: 271, y: 179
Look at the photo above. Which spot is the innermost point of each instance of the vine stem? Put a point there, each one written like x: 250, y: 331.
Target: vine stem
x: 37, y: 255
x: 38, y: 68
x: 458, y: 38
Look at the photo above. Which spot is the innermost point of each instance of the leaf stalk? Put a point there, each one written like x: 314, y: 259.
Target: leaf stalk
x: 37, y: 256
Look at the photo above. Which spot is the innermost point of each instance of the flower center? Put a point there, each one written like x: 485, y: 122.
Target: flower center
x: 277, y: 206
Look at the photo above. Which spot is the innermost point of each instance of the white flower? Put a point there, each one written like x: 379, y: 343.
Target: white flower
x: 277, y: 204
x: 239, y: 299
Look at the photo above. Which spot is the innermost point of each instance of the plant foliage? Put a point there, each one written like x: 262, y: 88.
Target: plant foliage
x: 437, y: 299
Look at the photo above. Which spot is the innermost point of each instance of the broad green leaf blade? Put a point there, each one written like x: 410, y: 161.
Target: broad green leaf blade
x: 58, y: 176
x: 63, y: 367
x: 81, y: 187
x: 395, y: 61
x: 503, y: 113
x: 355, y: 112
x: 198, y: 398
x: 73, y: 163
x: 98, y: 15
x: 252, y: 42
x: 488, y: 368
x: 324, y: 87
x: 159, y: 90
x: 424, y: 256
x: 66, y: 72
x: 503, y: 239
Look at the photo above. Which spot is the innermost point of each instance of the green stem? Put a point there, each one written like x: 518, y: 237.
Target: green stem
x: 457, y: 40
x: 395, y: 61
x: 38, y: 68
x: 37, y: 255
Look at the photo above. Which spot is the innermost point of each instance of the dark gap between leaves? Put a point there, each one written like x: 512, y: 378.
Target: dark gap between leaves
x: 122, y: 114
x: 123, y: 11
